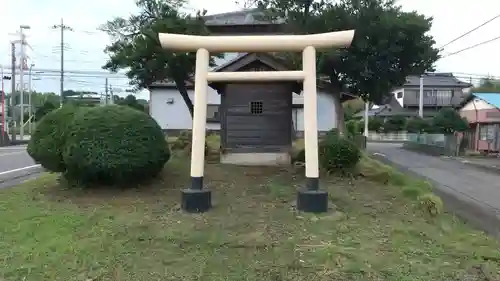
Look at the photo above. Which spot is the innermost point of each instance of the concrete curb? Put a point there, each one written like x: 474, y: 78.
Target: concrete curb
x: 469, y: 210
x: 18, y: 142
x: 21, y: 175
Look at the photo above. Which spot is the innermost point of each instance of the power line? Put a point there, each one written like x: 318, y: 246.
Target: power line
x: 470, y: 31
x: 51, y: 70
x: 471, y: 47
x: 37, y: 55
x: 89, y: 32
x: 475, y: 74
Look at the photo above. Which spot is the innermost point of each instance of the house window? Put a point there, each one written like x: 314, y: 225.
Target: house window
x: 213, y: 113
x: 444, y: 94
x: 487, y: 132
x: 428, y: 93
x: 399, y: 95
x: 256, y: 107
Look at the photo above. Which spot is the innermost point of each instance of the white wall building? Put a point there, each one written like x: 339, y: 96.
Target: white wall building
x: 168, y: 109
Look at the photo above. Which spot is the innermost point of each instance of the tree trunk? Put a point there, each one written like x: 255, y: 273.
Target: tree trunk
x: 181, y: 86
x: 339, y: 111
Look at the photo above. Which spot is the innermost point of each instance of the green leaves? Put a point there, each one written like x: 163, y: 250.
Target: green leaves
x: 113, y: 145
x: 131, y: 101
x: 136, y: 48
x: 449, y: 121
x: 418, y: 125
x: 394, y: 124
x: 389, y: 44
x: 338, y: 154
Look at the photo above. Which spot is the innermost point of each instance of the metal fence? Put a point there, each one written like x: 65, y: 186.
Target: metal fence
x: 436, y: 144
x: 429, y: 139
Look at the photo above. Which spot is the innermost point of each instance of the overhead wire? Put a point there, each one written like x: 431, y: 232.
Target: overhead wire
x: 82, y: 78
x: 471, y: 47
x: 55, y: 73
x: 470, y: 31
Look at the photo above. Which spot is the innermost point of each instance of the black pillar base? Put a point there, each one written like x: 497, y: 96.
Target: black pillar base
x: 196, y: 199
x: 312, y: 200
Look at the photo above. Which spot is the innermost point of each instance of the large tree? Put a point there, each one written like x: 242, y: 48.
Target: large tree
x: 389, y: 44
x: 136, y: 48
x: 132, y: 102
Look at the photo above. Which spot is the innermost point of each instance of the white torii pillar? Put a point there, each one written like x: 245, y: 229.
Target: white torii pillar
x: 310, y: 199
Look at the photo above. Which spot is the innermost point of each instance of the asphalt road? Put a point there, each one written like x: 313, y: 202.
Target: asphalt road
x: 15, y: 164
x: 474, y: 192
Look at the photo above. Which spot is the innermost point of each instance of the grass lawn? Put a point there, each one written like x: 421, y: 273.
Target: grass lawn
x: 253, y: 232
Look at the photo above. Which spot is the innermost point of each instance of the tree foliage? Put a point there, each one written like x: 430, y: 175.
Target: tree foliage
x: 389, y: 44
x: 394, y: 124
x: 131, y: 101
x: 136, y: 48
x: 375, y: 124
x: 351, y: 107
x: 449, y: 121
x: 354, y: 127
x: 418, y: 125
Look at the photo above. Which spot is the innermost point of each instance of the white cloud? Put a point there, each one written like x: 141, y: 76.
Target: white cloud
x: 451, y: 18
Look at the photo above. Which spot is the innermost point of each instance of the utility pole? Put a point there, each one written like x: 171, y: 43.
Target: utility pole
x: 421, y: 98
x: 30, y: 105
x: 62, y: 27
x: 367, y: 108
x: 13, y: 89
x: 106, y: 89
x: 3, y: 102
x: 22, y: 65
x: 112, y: 94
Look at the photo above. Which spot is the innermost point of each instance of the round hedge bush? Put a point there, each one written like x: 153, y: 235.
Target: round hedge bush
x: 48, y: 140
x: 114, y: 145
x: 338, y: 154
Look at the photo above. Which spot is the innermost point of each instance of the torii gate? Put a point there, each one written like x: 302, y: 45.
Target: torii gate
x: 310, y: 199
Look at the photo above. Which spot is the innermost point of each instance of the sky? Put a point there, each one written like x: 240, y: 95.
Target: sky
x: 84, y: 45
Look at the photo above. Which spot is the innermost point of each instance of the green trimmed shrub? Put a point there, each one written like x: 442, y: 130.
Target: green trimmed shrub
x: 338, y: 154
x: 333, y: 132
x: 352, y: 128
x: 49, y: 138
x: 114, y: 145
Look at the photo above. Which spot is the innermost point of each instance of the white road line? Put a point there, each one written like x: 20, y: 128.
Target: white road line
x: 20, y: 169
x: 12, y: 153
x: 13, y: 147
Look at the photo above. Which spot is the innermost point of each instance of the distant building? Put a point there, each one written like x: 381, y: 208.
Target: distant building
x: 97, y: 99
x: 482, y: 111
x: 441, y: 90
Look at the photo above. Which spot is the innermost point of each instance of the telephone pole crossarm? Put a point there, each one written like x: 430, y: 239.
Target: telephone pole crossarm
x: 62, y: 28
